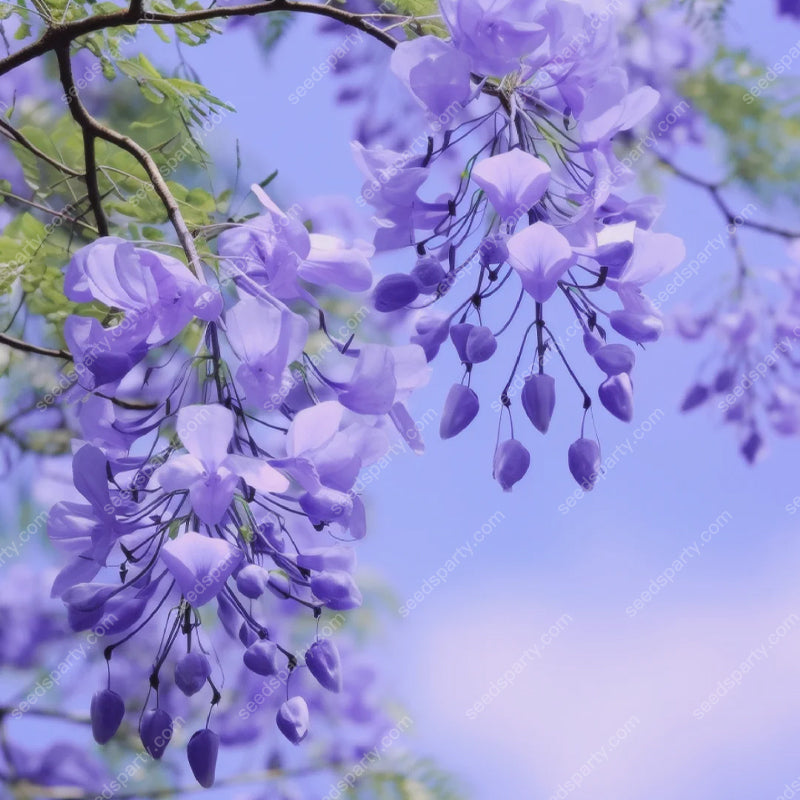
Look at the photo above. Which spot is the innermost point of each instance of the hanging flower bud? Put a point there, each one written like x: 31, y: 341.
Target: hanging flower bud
x: 511, y: 462
x: 262, y: 658
x: 584, y: 462
x: 202, y: 751
x: 292, y: 719
x: 336, y: 589
x: 107, y: 711
x: 459, y: 334
x: 252, y: 581
x: 616, y: 394
x: 394, y: 292
x: 191, y: 673
x: 592, y: 342
x: 247, y: 635
x: 539, y: 400
x: 752, y: 447
x: 460, y: 408
x: 480, y: 344
x: 156, y: 731
x: 323, y: 662
x: 696, y: 396
x: 615, y: 358
x: 428, y: 273
x: 639, y: 328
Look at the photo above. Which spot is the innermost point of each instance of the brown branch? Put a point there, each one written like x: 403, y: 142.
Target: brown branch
x: 59, y: 36
x: 714, y: 189
x: 27, y: 347
x: 13, y: 133
x: 94, y: 129
x: 81, y: 116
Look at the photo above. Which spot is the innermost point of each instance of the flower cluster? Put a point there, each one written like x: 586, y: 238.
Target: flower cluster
x: 753, y: 377
x: 229, y: 482
x: 536, y: 94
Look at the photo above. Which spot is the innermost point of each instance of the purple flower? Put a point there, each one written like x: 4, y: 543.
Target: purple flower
x: 495, y: 34
x: 208, y: 471
x: 266, y: 337
x: 435, y: 72
x: 514, y: 182
x: 540, y: 255
x: 200, y: 565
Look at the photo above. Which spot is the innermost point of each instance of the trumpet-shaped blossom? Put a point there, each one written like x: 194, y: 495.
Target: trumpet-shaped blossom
x: 200, y: 565
x: 514, y: 182
x: 207, y: 470
x: 540, y: 255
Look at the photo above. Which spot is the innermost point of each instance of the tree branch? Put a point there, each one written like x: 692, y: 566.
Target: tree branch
x: 81, y: 116
x: 94, y: 129
x: 13, y: 133
x: 27, y: 347
x: 715, y: 192
x: 59, y: 36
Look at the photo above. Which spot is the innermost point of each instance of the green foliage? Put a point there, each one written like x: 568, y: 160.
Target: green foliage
x: 760, y: 133
x: 408, y: 780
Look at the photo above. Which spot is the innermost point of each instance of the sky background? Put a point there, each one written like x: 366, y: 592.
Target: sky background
x: 604, y: 669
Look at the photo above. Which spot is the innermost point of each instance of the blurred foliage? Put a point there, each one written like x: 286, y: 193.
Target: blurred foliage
x: 760, y: 130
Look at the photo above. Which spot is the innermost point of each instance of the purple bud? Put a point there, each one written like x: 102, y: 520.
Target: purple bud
x: 539, y: 400
x: 252, y: 581
x: 107, y: 711
x: 584, y: 462
x: 323, y: 662
x: 274, y: 536
x: 280, y: 585
x: 480, y: 345
x: 460, y: 408
x: 247, y: 635
x: 493, y: 250
x: 459, y: 334
x: 615, y: 358
x: 202, y: 752
x: 156, y: 731
x: 592, y: 343
x: 616, y: 394
x: 292, y: 719
x: 394, y: 292
x: 511, y: 462
x: 724, y: 380
x: 639, y: 328
x: 428, y: 274
x: 262, y: 658
x: 752, y: 447
x: 430, y: 334
x: 336, y: 589
x: 191, y: 673
x: 337, y: 556
x: 696, y: 396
